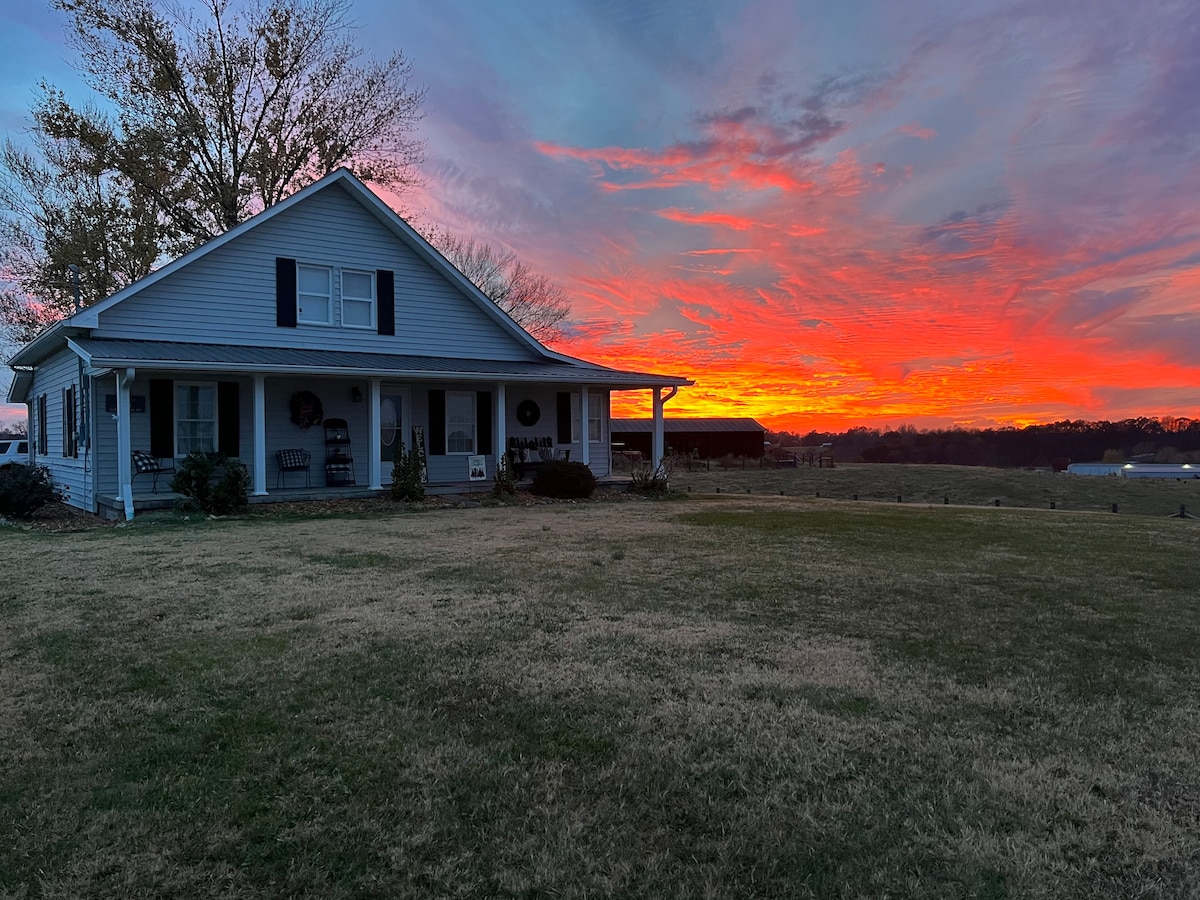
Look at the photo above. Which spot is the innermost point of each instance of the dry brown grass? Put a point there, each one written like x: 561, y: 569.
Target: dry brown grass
x: 715, y: 698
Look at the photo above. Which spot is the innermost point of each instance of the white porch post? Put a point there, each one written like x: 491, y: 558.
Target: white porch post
x: 124, y: 443
x: 656, y: 441
x: 501, y: 426
x: 375, y: 457
x: 659, y: 444
x: 585, y: 455
x: 260, y: 436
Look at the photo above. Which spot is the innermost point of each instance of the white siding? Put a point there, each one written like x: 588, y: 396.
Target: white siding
x: 228, y: 296
x: 72, y: 475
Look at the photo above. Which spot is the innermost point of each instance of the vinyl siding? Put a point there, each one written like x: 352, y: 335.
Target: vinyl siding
x: 229, y: 294
x: 546, y: 397
x: 72, y: 475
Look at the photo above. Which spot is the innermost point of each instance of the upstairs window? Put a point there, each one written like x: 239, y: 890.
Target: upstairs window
x: 358, y: 299
x: 314, y: 295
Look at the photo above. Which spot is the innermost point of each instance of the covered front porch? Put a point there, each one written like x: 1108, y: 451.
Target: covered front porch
x: 459, y: 423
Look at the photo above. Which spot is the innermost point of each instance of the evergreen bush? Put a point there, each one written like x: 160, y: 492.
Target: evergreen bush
x: 407, y: 486
x: 212, y: 483
x: 24, y: 490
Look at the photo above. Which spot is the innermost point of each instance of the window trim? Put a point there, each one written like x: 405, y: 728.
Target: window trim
x: 216, y: 418
x: 374, y: 299
x: 471, y: 397
x: 328, y: 320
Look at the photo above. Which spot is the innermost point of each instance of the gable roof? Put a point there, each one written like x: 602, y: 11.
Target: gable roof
x: 46, y: 342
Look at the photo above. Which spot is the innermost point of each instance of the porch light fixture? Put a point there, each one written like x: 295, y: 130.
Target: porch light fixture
x: 355, y: 394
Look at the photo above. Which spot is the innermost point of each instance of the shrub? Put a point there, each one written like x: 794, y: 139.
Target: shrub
x: 653, y: 479
x: 564, y: 480
x: 505, y: 480
x: 214, y: 484
x: 406, y: 476
x: 24, y: 490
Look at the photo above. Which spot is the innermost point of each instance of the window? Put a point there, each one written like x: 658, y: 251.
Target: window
x: 358, y: 299
x: 43, y: 436
x: 195, y: 418
x: 460, y: 422
x: 70, y: 444
x: 314, y: 295
x: 595, y: 417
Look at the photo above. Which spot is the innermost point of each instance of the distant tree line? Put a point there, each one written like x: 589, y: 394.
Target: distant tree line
x: 1146, y: 439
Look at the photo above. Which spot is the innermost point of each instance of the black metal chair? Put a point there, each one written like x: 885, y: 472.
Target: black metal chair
x: 293, y: 461
x: 147, y: 464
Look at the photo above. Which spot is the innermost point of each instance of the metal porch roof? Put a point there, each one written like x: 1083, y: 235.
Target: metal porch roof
x: 100, y: 353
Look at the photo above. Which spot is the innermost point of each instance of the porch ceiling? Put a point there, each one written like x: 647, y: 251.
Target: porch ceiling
x: 178, y: 356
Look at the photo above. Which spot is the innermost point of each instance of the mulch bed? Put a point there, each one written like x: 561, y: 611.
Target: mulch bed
x: 59, y: 517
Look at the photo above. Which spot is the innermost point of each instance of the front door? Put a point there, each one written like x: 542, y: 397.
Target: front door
x: 393, y: 419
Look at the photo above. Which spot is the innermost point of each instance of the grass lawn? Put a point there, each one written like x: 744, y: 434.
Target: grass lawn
x: 716, y: 697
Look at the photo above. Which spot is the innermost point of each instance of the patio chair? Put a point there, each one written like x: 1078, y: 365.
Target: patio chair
x: 292, y: 461
x: 145, y: 463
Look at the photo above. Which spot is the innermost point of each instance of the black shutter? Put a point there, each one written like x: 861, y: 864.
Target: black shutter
x: 385, y: 291
x: 285, y: 292
x: 162, y: 418
x: 564, y: 417
x: 229, y: 419
x: 437, y: 423
x: 483, y: 422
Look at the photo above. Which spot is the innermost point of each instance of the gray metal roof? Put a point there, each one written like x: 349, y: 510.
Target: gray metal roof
x: 687, y: 425
x: 178, y: 356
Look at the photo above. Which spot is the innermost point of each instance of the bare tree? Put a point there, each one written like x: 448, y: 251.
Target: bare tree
x: 222, y: 108
x: 534, y: 301
x: 17, y: 427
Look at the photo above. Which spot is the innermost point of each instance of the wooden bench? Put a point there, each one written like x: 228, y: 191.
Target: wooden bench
x: 145, y: 463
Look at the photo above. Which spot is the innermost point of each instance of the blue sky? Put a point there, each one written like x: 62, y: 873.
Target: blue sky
x: 828, y: 214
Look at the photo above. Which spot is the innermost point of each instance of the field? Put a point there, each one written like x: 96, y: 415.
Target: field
x: 717, y: 696
x: 960, y: 485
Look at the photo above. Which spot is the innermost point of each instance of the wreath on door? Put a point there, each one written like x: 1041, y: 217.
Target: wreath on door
x: 306, y: 409
x: 528, y: 413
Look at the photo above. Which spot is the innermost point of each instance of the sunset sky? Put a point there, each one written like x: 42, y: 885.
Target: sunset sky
x: 827, y: 214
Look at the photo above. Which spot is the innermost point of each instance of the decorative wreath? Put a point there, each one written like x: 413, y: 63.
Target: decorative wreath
x: 528, y: 413
x: 306, y: 409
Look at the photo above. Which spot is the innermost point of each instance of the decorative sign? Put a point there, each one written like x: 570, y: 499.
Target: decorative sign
x: 137, y: 403
x: 418, y: 435
x: 476, y: 468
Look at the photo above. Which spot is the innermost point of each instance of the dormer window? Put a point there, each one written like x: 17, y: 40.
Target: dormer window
x: 358, y: 299
x: 314, y: 295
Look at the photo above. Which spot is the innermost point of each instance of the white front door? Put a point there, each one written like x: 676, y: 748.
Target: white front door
x: 394, y: 422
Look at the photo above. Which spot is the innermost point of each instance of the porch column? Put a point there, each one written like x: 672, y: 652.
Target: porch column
x: 585, y: 453
x: 375, y: 457
x: 659, y: 402
x: 260, y: 436
x: 124, y: 443
x: 501, y: 425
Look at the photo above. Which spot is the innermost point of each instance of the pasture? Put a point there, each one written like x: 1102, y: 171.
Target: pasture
x: 719, y: 696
